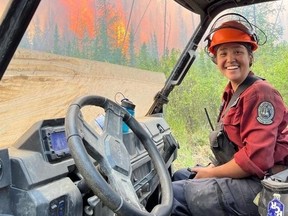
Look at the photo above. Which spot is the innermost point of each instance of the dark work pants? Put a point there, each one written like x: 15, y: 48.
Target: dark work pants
x: 214, y: 196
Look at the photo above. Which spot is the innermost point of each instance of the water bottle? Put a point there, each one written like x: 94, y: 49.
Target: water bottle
x: 130, y: 107
x: 99, y: 121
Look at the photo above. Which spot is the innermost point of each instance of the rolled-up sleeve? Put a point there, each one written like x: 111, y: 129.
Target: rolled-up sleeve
x: 255, y: 127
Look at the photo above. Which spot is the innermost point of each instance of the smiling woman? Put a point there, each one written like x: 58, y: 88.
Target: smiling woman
x: 252, y: 125
x: 233, y: 60
x: 78, y: 60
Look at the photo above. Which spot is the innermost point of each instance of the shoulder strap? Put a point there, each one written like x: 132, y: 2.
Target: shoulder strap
x: 244, y: 85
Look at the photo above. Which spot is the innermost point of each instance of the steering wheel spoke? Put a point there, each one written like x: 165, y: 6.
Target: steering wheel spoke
x: 110, y: 152
x: 91, y: 140
x: 113, y: 120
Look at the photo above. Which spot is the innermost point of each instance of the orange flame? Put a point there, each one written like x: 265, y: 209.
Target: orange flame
x: 81, y: 16
x: 85, y: 17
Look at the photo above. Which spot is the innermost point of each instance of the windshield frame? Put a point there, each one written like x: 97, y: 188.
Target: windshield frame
x: 15, y: 21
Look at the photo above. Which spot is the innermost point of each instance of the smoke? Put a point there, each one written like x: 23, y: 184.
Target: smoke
x: 145, y: 20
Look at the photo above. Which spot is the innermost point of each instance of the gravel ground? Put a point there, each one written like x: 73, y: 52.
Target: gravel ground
x: 41, y: 86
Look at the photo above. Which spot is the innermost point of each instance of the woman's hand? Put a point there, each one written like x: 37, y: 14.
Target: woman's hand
x: 204, y: 172
x: 230, y: 169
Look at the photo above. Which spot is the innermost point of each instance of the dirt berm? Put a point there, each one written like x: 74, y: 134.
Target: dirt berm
x: 41, y: 86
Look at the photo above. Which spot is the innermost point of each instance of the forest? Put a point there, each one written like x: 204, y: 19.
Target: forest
x: 203, y: 85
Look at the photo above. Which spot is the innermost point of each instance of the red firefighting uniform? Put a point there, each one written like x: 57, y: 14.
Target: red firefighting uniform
x: 257, y: 124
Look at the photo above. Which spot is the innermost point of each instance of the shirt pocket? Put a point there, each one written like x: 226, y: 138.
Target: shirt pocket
x: 232, y: 117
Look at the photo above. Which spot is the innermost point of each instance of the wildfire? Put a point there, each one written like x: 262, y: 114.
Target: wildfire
x: 120, y: 19
x: 81, y: 15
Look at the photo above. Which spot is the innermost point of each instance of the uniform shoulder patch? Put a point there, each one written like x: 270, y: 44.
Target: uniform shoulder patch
x: 266, y: 113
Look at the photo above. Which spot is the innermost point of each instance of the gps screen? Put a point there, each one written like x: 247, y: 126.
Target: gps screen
x: 59, y: 143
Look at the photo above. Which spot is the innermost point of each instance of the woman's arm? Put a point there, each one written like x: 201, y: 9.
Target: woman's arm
x: 230, y: 169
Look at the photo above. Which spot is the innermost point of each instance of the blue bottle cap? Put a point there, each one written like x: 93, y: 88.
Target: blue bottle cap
x: 127, y: 104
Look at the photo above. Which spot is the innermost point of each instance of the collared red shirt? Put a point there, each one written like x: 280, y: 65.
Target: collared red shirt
x: 257, y: 124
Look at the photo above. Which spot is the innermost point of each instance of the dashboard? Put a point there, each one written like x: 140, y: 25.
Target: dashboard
x: 38, y: 176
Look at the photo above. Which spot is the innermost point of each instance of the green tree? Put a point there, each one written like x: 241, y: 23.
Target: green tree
x: 143, y: 60
x: 132, y: 54
x: 38, y: 39
x: 260, y: 16
x: 56, y: 47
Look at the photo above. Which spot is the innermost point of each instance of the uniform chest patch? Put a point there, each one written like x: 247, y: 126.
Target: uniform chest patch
x: 265, y: 113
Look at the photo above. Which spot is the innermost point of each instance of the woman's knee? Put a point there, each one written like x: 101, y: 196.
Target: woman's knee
x: 181, y: 174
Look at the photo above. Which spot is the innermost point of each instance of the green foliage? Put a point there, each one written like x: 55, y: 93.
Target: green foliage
x: 56, y: 48
x: 132, y: 54
x: 260, y: 16
x: 271, y: 64
x: 200, y: 89
x: 168, y: 61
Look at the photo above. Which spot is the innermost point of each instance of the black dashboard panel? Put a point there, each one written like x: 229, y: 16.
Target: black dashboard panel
x: 42, y: 178
x: 48, y: 138
x: 55, y: 143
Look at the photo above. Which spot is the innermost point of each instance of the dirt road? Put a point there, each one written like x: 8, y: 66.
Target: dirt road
x: 40, y: 86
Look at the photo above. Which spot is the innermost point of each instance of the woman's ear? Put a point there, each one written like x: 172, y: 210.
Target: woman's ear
x: 214, y: 59
x: 214, y: 56
x: 251, y: 59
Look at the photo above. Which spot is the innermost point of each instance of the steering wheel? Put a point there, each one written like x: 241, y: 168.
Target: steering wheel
x: 109, y: 151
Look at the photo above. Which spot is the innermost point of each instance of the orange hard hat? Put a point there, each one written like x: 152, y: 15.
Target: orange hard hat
x: 229, y: 32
